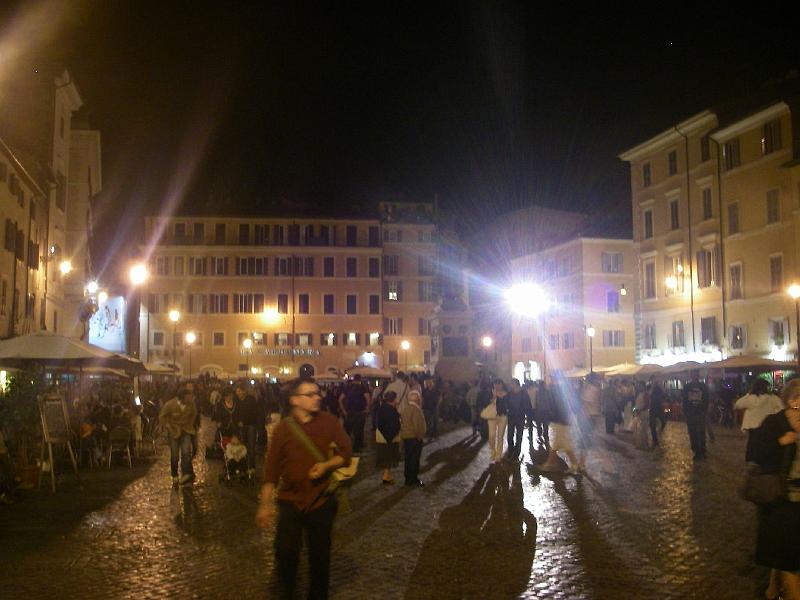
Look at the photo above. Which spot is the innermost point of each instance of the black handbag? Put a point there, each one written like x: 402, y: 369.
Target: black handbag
x: 763, y: 488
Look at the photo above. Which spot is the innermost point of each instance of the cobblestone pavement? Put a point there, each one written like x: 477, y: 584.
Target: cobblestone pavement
x: 640, y: 525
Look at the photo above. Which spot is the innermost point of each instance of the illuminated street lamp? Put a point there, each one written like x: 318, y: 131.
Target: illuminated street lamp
x: 487, y: 342
x: 191, y: 338
x: 590, y: 332
x: 174, y: 316
x: 65, y: 266
x: 622, y: 290
x: 247, y: 345
x: 671, y: 282
x: 138, y: 274
x: 92, y: 287
x: 270, y: 315
x: 405, y: 345
x: 794, y: 293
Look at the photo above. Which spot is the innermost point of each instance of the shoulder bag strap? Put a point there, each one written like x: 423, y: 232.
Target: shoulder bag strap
x: 301, y: 436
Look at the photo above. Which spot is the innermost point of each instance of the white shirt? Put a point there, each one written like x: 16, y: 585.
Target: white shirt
x: 757, y: 408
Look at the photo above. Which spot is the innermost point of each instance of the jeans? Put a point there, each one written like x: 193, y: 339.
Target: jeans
x: 181, y: 447
x: 497, y: 428
x: 515, y: 431
x: 431, y: 420
x: 289, y: 540
x: 354, y: 426
x: 696, y: 425
x: 251, y: 431
x: 412, y: 452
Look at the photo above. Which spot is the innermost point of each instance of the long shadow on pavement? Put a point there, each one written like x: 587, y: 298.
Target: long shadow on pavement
x: 484, y: 546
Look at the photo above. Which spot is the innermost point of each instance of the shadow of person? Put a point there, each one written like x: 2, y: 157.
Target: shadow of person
x: 484, y: 546
x: 188, y: 517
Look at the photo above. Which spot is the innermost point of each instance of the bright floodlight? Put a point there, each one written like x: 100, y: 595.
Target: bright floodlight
x: 487, y: 342
x: 794, y: 291
x: 191, y: 338
x: 671, y: 282
x: 174, y: 315
x: 138, y: 274
x: 527, y: 299
x: 247, y: 343
x: 102, y: 297
x: 590, y: 331
x: 92, y: 287
x: 405, y: 344
x: 65, y: 267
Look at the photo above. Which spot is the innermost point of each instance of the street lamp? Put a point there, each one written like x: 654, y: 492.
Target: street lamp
x: 622, y: 290
x: 174, y: 316
x: 65, y: 266
x: 794, y: 293
x: 138, y: 274
x: 487, y: 342
x: 247, y: 344
x: 92, y: 288
x: 191, y: 338
x: 590, y: 331
x: 405, y: 345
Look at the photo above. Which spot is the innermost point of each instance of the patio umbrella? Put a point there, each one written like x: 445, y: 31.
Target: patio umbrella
x: 54, y: 350
x: 369, y: 372
x: 745, y: 361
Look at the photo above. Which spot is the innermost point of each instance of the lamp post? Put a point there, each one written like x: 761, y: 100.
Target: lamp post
x: 405, y: 345
x: 794, y: 293
x: 590, y: 331
x: 174, y: 316
x: 137, y: 275
x: 247, y: 344
x: 190, y: 338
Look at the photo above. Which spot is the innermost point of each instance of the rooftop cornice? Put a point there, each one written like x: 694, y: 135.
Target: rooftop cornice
x: 670, y: 136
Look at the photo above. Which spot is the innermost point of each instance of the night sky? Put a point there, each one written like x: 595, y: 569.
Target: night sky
x: 488, y: 105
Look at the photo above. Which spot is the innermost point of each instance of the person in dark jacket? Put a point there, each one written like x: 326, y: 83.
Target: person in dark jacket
x: 774, y: 449
x: 695, y: 408
x: 228, y: 415
x: 518, y: 404
x: 354, y: 404
x: 657, y: 400
x: 387, y: 436
x: 252, y: 423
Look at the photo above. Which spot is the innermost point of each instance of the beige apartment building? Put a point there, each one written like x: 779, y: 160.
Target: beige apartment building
x: 714, y: 204
x: 314, y: 296
x: 588, y: 285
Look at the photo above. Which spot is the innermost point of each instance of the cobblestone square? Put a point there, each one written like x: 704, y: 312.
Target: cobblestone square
x: 641, y: 524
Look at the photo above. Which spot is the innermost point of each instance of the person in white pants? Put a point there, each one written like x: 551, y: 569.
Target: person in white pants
x: 497, y: 424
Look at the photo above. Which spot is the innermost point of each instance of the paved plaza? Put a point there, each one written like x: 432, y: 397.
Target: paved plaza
x: 640, y: 525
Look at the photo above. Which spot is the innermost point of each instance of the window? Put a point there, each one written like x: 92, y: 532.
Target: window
x: 374, y: 236
x: 672, y: 162
x: 393, y: 357
x: 281, y: 339
x: 778, y: 329
x: 773, y: 206
x: 251, y: 265
x: 374, y: 304
x: 158, y: 338
x: 674, y: 219
x: 673, y: 275
x: 352, y: 235
x: 730, y: 155
x: 394, y: 326
x: 776, y: 274
x: 707, y: 267
x: 705, y: 149
x: 771, y: 140
x: 219, y: 235
x: 374, y: 267
x: 179, y: 266
x: 197, y: 303
x: 553, y: 341
x: 374, y: 339
x: 281, y: 267
x: 568, y: 340
x: 733, y: 218
x: 218, y: 303
x: 283, y: 304
x: 241, y: 337
x: 394, y: 290
x: 327, y: 266
x: 426, y: 291
x: 153, y: 304
x: 243, y: 303
x: 244, y: 234
x: 179, y: 231
x: 219, y: 265
x: 738, y: 337
x: 611, y: 262
x: 293, y: 234
x: 648, y: 223
x: 736, y: 281
x: 327, y: 339
x: 393, y: 235
x: 302, y: 304
x: 352, y: 304
x: 328, y: 304
x: 646, y: 175
x: 526, y: 344
x: 303, y: 339
x: 613, y: 338
x: 391, y: 265
x: 277, y: 235
x: 708, y: 213
x: 650, y: 280
x: 649, y: 336
x: 352, y: 266
x: 199, y: 233
x: 708, y: 330
x: 425, y: 266
x: 162, y: 265
x: 197, y: 265
x: 351, y: 338
x: 261, y: 235
x: 218, y: 338
x: 612, y: 302
x: 678, y: 340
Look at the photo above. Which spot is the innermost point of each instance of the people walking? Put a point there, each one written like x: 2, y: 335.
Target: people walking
x: 306, y: 505
x: 251, y: 424
x: 657, y: 399
x: 561, y: 421
x: 431, y: 400
x: 609, y: 399
x: 178, y: 419
x: 544, y: 412
x: 400, y: 387
x: 354, y: 405
x: 517, y: 402
x: 412, y: 432
x: 387, y: 436
x: 757, y: 405
x: 472, y: 403
x: 496, y: 414
x: 695, y: 408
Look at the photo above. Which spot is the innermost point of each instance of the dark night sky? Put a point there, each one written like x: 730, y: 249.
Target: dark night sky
x: 490, y: 105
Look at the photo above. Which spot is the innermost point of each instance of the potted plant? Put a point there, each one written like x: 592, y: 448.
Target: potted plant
x: 20, y: 420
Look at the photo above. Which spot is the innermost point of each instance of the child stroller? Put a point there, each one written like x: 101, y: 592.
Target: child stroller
x: 234, y: 460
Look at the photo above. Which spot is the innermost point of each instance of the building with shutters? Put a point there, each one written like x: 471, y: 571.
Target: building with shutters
x: 716, y: 201
x: 314, y: 295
